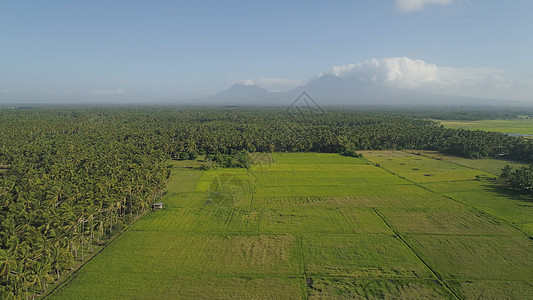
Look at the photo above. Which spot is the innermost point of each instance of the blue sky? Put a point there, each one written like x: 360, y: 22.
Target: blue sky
x: 83, y: 51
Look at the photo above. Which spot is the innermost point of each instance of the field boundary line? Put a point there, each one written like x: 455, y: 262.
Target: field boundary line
x: 483, y: 212
x: 258, y: 230
x: 513, y: 225
x: 230, y: 219
x: 304, y: 273
x: 453, y: 162
x: 437, y: 275
x: 252, y: 190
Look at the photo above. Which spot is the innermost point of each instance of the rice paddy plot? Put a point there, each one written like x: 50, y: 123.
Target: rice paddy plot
x: 405, y: 191
x: 296, y: 158
x: 489, y: 165
x: 227, y: 187
x: 496, y: 200
x: 314, y: 158
x: 527, y: 227
x: 184, y: 199
x: 361, y: 256
x: 183, y: 181
x: 351, y: 288
x: 322, y: 221
x: 305, y: 225
x: 477, y: 257
x: 456, y: 222
x: 370, y: 176
x: 413, y: 197
x: 244, y: 222
x: 212, y: 220
x: 522, y: 126
x: 221, y: 177
x: 505, y: 290
x: 311, y: 167
x: 330, y: 171
x: 187, y: 254
x: 422, y: 169
x: 159, y: 286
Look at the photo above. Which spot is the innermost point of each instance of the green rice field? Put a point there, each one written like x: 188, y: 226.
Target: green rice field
x: 489, y: 165
x: 520, y: 126
x: 391, y: 225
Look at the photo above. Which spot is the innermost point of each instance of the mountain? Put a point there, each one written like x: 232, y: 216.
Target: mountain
x: 329, y: 90
x: 332, y: 90
x: 242, y: 94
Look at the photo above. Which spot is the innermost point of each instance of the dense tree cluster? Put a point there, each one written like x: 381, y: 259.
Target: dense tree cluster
x: 69, y: 177
x: 236, y: 159
x: 520, y: 178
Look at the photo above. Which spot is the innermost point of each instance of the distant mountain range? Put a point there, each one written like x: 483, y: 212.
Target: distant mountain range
x: 332, y: 90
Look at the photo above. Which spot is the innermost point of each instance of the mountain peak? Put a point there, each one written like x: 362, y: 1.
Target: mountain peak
x: 247, y: 87
x: 240, y: 92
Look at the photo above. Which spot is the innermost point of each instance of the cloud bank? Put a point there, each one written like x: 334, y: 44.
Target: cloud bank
x: 407, y: 73
x: 416, y: 5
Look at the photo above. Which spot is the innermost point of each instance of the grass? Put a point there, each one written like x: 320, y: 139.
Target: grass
x: 494, y: 289
x: 437, y: 222
x: 321, y: 221
x: 489, y: 165
x: 522, y: 126
x: 509, y: 205
x: 323, y: 226
x: 361, y: 256
x: 351, y: 288
x: 421, y: 169
x: 477, y: 257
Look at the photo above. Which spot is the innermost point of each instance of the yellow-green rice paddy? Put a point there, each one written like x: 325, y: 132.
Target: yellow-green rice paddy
x: 392, y: 225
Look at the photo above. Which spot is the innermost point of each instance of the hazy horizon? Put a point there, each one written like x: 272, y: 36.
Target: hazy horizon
x: 177, y: 52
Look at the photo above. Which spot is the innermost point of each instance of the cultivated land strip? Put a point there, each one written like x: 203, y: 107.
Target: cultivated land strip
x: 529, y: 245
x: 307, y: 225
x: 418, y: 255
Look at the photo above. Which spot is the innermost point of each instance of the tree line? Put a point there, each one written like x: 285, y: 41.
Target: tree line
x: 70, y: 178
x: 520, y: 178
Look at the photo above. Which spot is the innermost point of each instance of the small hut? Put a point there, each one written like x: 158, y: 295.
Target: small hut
x: 158, y: 205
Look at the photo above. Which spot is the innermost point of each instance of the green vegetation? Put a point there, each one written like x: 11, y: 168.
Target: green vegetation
x: 236, y: 159
x: 489, y: 165
x: 520, y: 126
x: 308, y: 225
x: 520, y: 179
x: 72, y: 179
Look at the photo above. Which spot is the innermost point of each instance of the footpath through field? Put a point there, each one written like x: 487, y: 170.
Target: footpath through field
x: 307, y: 225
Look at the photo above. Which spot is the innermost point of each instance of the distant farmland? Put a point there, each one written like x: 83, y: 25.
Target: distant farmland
x: 306, y: 225
x: 519, y: 126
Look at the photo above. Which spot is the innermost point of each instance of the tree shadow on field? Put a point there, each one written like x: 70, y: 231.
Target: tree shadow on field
x: 509, y: 193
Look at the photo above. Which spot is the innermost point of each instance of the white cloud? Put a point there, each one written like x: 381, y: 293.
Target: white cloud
x: 403, y: 72
x: 273, y: 84
x: 107, y: 92
x: 415, y: 5
x: 400, y: 71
